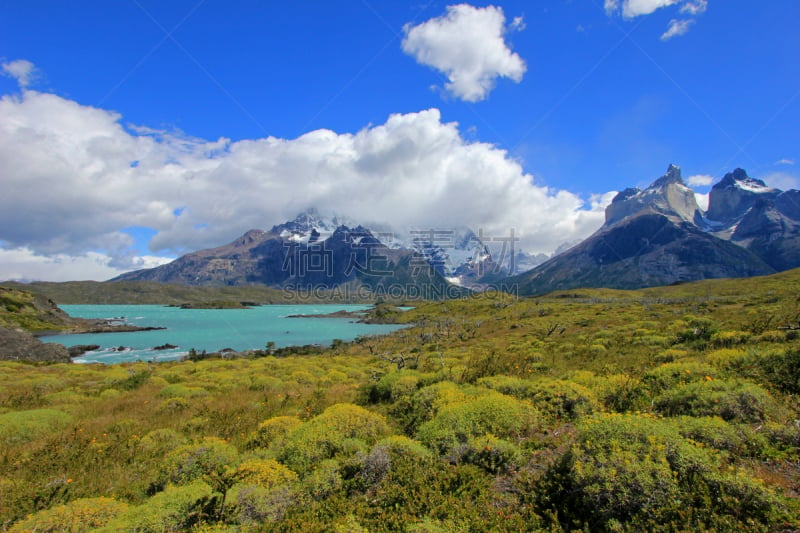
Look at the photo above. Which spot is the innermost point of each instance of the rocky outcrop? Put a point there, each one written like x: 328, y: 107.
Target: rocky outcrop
x: 18, y: 345
x: 735, y: 193
x: 668, y: 196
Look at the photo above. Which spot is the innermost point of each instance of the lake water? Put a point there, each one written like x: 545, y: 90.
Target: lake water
x: 211, y: 329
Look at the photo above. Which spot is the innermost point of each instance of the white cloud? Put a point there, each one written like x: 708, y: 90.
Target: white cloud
x: 694, y: 8
x: 467, y: 45
x: 676, y: 28
x: 629, y: 9
x: 74, y: 179
x: 700, y: 180
x: 21, y: 70
x: 22, y: 264
x: 611, y: 6
x: 636, y: 8
x: 785, y: 162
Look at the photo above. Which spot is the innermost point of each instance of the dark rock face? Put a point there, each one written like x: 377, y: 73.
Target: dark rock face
x: 22, y: 346
x: 737, y: 192
x: 769, y: 233
x: 788, y: 203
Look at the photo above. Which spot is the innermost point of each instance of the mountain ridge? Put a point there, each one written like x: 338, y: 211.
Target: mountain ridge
x: 660, y: 236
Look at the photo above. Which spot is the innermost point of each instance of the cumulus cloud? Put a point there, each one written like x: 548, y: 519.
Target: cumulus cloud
x: 21, y: 70
x: 630, y: 9
x: 467, y: 45
x: 700, y: 180
x: 76, y: 179
x: 676, y: 28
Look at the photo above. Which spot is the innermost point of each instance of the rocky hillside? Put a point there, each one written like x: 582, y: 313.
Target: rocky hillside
x: 31, y: 312
x: 22, y: 313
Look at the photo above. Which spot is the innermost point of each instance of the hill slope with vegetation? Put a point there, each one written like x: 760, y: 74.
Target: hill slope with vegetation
x: 667, y: 409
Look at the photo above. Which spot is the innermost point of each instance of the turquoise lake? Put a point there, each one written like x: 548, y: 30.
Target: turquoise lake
x: 210, y: 329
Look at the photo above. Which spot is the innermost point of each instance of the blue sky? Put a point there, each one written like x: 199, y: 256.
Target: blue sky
x: 135, y: 130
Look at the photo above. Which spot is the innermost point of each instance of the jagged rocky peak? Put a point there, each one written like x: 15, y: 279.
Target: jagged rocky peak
x: 668, y: 195
x: 735, y: 193
x: 673, y: 175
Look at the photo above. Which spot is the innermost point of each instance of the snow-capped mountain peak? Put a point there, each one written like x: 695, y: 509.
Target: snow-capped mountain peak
x: 310, y: 226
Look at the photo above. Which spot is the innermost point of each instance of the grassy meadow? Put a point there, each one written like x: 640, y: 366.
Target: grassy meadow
x: 666, y: 409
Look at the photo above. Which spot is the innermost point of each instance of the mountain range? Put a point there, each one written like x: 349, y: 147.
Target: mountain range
x: 314, y: 252
x: 655, y: 236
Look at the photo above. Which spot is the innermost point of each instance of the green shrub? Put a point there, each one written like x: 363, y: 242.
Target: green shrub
x: 622, y: 392
x: 323, y: 481
x: 493, y: 413
x: 669, y: 375
x: 273, y: 431
x: 733, y: 401
x: 337, y: 431
x: 637, y: 473
x: 402, y: 445
x: 492, y: 454
x: 728, y: 357
x: 160, y: 441
x: 556, y: 399
x: 349, y: 525
x: 728, y: 339
x: 429, y: 525
x: 509, y: 385
x: 563, y: 400
x: 175, y: 509
x: 174, y: 405
x: 739, y: 439
x: 265, y: 473
x: 78, y: 516
x: 694, y: 331
x: 19, y: 427
x: 412, y: 411
x: 249, y: 504
x: 782, y: 370
x: 210, y: 460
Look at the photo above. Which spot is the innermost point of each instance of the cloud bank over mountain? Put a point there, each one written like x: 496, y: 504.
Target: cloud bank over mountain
x: 78, y: 180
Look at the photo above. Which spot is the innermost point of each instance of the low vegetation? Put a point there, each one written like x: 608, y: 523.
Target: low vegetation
x: 668, y: 409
